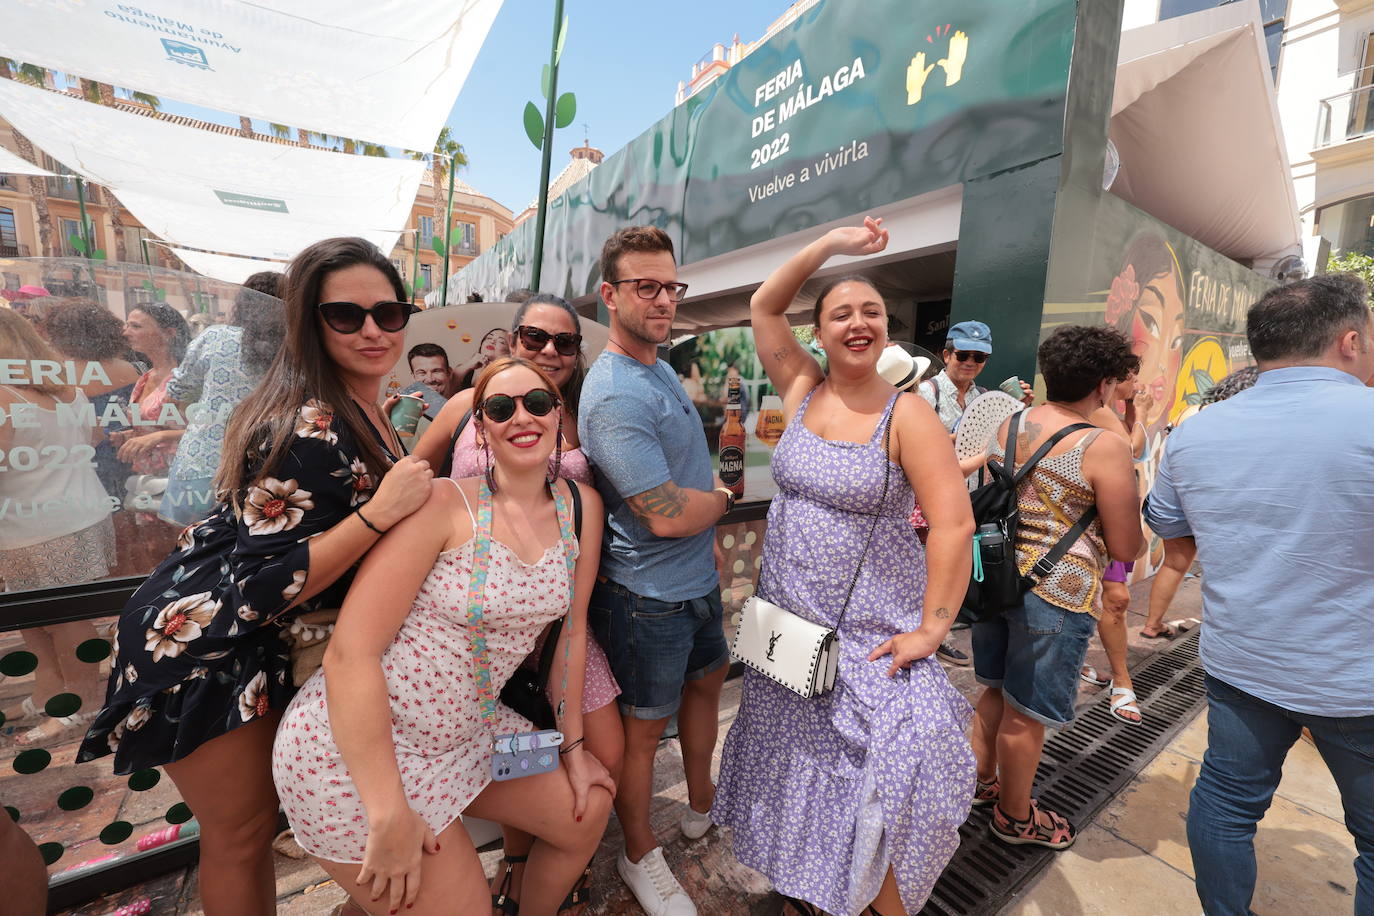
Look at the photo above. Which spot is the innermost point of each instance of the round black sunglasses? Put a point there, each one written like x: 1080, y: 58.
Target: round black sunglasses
x: 348, y: 317
x: 501, y: 407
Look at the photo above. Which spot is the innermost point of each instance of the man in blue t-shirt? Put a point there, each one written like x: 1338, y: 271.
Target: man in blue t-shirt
x: 656, y: 609
x: 1273, y: 486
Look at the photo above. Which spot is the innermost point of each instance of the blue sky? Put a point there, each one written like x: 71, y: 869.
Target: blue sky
x: 622, y: 59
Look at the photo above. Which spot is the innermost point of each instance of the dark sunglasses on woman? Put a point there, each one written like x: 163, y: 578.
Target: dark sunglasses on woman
x: 501, y: 407
x: 536, y: 339
x: 348, y: 317
x: 964, y: 356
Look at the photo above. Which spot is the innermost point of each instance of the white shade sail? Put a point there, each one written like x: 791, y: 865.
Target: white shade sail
x: 213, y: 191
x: 223, y: 266
x: 11, y: 164
x: 386, y: 72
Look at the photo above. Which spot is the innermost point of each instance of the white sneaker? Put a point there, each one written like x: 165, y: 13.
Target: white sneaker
x: 654, y: 885
x: 694, y: 824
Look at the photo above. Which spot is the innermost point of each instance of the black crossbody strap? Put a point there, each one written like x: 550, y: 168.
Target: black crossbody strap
x: 1020, y: 473
x: 1046, y: 564
x: 887, y: 476
x: 446, y: 467
x: 556, y: 628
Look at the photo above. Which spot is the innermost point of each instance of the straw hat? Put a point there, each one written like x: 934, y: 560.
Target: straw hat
x: 899, y: 368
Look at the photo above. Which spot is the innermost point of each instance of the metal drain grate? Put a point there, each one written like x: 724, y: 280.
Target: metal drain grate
x: 1083, y: 767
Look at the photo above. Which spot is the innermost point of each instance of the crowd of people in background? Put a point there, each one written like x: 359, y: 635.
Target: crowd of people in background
x: 502, y: 622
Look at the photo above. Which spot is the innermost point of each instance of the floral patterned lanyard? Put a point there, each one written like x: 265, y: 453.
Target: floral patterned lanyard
x: 481, y: 564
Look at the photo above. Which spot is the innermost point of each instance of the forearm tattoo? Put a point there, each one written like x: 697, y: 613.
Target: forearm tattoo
x: 666, y: 501
x: 942, y: 613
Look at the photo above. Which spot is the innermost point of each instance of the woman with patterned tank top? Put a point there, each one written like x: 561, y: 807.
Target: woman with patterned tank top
x: 1029, y: 658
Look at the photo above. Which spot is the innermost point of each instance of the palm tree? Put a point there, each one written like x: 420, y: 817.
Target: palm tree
x: 38, y: 186
x: 151, y: 101
x: 446, y: 150
x: 245, y: 127
x: 280, y: 131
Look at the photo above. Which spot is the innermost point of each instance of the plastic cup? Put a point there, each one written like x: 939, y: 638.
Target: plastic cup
x: 405, y: 416
x: 1012, y: 386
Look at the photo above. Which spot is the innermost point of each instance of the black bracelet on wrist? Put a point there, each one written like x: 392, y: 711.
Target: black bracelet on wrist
x: 363, y: 519
x: 569, y: 748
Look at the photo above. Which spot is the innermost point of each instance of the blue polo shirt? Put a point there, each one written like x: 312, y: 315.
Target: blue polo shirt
x: 1275, y: 485
x: 639, y: 430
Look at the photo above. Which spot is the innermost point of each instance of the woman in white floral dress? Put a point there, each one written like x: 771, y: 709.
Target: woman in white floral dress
x: 202, y: 671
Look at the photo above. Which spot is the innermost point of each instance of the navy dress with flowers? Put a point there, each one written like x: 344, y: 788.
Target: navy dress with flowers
x: 200, y: 647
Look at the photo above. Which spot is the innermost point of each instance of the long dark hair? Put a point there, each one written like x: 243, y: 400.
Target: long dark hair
x: 262, y: 320
x: 261, y: 428
x: 571, y: 392
x: 169, y: 319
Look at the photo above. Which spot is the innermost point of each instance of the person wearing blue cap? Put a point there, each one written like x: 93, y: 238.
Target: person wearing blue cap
x: 966, y: 353
x: 967, y: 349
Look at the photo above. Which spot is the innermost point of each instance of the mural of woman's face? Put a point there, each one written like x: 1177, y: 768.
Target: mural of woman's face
x: 1156, y: 334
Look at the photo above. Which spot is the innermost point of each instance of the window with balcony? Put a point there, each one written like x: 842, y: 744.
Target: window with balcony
x: 9, y: 236
x: 67, y: 229
x: 426, y: 231
x: 468, y: 244
x: 426, y: 277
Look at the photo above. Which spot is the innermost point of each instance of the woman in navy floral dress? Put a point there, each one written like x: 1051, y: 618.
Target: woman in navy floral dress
x: 310, y: 477
x: 850, y: 802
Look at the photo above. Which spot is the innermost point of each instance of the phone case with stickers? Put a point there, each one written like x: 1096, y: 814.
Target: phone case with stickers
x: 525, y: 754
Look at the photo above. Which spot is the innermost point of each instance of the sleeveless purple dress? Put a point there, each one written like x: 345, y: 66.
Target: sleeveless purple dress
x: 823, y: 795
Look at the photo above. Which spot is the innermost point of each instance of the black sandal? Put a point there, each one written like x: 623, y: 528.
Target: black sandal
x: 581, y: 892
x: 501, y: 899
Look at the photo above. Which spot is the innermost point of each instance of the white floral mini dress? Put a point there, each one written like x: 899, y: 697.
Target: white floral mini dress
x: 443, y: 747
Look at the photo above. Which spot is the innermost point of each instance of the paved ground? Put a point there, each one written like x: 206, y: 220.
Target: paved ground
x: 1132, y: 860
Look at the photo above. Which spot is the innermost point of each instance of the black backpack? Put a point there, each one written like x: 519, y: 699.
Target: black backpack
x: 996, y: 585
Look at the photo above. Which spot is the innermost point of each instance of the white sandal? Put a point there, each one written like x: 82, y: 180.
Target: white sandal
x: 46, y: 732
x: 1125, y: 700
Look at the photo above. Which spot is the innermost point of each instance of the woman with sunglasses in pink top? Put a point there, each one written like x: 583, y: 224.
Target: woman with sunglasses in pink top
x: 547, y: 331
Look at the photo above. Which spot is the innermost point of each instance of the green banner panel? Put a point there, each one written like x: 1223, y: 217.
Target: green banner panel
x: 853, y: 106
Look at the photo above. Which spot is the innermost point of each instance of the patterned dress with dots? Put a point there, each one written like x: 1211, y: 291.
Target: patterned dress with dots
x: 443, y: 747
x: 824, y: 795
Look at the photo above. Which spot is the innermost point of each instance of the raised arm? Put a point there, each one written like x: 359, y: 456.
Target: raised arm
x: 788, y: 365
x: 927, y: 458
x: 358, y: 704
x: 436, y: 438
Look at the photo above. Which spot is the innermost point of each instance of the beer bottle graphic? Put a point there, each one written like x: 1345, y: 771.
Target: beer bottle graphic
x: 732, y: 441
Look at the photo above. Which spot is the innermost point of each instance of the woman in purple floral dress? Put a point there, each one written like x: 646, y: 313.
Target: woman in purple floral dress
x: 851, y: 802
x: 202, y: 670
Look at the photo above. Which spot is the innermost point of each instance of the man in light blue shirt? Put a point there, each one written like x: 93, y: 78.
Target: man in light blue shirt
x: 1275, y: 487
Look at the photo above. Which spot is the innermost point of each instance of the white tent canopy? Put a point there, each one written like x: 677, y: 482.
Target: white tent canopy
x: 386, y: 72
x: 223, y: 266
x: 215, y: 192
x: 1195, y: 121
x: 13, y: 165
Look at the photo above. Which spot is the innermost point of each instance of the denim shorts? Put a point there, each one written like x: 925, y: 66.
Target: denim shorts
x: 656, y: 647
x: 1034, y: 653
